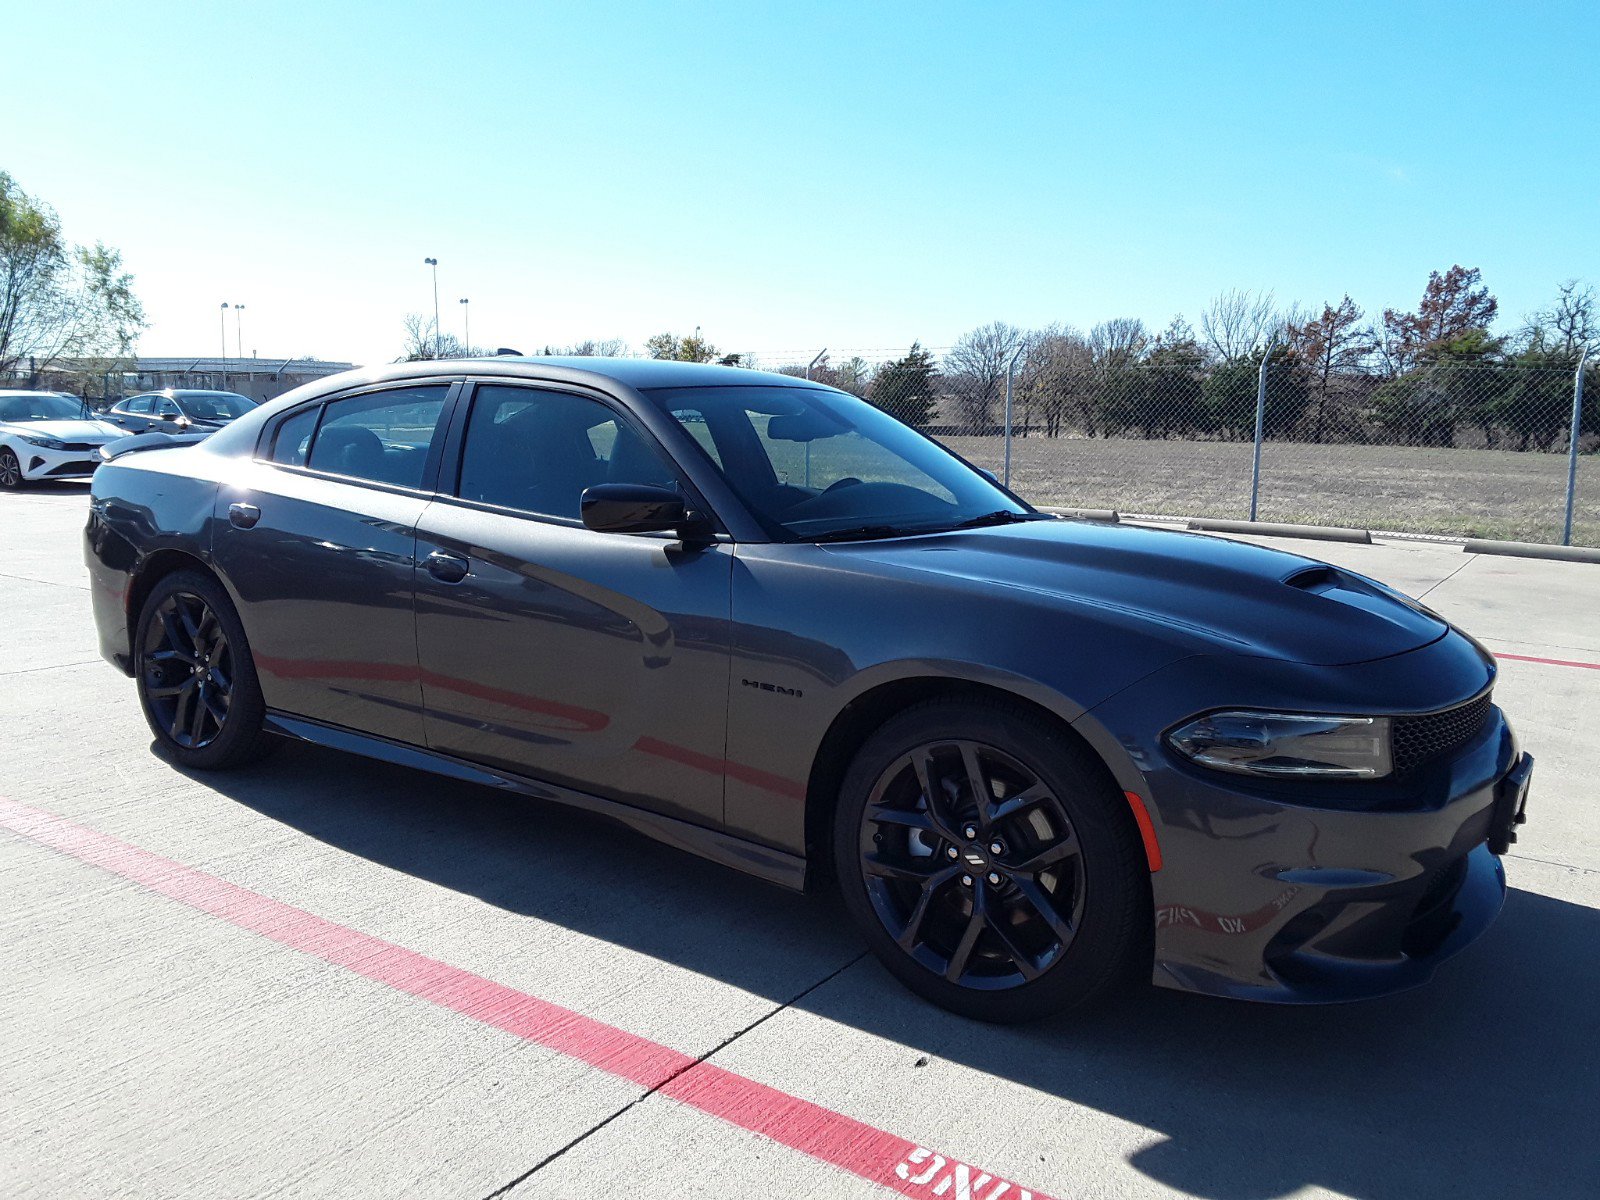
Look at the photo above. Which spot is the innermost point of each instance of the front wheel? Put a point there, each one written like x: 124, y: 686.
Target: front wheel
x: 10, y: 469
x: 197, y: 681
x: 990, y: 863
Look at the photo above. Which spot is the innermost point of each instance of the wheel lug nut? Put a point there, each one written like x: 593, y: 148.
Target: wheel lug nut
x: 952, y: 853
x: 970, y: 833
x: 994, y: 877
x: 996, y: 848
x: 966, y: 881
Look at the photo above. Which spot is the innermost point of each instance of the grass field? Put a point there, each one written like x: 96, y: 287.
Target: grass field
x: 1477, y: 493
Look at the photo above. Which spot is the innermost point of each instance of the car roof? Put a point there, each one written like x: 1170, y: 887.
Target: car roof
x: 175, y: 393
x: 631, y: 372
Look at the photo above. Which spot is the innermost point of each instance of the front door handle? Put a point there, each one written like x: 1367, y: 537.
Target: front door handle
x: 243, y: 516
x: 446, y: 568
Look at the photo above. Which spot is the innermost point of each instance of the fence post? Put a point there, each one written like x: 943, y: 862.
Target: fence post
x: 1572, y: 445
x: 1261, y: 420
x: 1010, y: 372
x: 821, y: 354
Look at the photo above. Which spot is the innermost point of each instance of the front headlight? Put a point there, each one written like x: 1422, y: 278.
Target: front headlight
x: 1276, y: 744
x: 45, y: 443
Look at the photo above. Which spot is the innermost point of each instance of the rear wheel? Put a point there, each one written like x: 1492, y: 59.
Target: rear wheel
x: 197, y: 682
x: 10, y: 469
x: 990, y: 863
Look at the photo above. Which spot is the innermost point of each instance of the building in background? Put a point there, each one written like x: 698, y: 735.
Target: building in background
x: 103, y: 382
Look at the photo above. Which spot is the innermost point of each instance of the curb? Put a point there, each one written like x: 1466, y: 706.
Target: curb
x: 1085, y: 514
x: 1321, y: 533
x: 1532, y: 550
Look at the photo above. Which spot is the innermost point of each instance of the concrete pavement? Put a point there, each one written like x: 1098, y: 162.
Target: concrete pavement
x: 150, y: 1049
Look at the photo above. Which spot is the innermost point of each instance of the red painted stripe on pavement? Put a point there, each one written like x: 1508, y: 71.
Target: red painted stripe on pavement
x: 863, y: 1150
x: 1550, y: 662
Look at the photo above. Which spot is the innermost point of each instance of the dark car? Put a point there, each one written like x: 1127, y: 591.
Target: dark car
x: 178, y: 410
x: 761, y: 620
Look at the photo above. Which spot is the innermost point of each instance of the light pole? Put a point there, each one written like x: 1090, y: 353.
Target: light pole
x: 222, y: 318
x: 466, y: 325
x: 238, y: 327
x: 438, y: 334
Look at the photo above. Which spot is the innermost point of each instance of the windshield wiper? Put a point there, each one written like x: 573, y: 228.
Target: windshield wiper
x: 1002, y: 516
x: 862, y: 533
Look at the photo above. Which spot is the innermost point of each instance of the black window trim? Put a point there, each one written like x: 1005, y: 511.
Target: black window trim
x: 449, y: 480
x: 266, y: 443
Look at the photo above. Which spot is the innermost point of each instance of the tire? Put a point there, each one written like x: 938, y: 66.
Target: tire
x: 197, y: 682
x: 10, y: 470
x: 1069, y: 921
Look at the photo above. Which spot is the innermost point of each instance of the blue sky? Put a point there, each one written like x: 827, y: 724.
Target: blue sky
x: 794, y: 176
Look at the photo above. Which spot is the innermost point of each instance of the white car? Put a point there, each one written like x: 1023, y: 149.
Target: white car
x: 44, y: 435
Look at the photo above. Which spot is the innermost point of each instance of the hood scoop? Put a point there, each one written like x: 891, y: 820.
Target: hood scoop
x: 1318, y: 578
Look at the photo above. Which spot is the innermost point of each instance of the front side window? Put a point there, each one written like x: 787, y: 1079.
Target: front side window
x: 537, y: 451
x: 381, y: 436
x: 168, y: 408
x: 813, y: 464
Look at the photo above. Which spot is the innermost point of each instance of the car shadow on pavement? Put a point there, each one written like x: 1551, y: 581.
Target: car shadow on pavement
x: 1480, y: 1084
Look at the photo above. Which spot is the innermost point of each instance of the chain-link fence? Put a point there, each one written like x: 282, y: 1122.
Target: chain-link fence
x: 1466, y: 448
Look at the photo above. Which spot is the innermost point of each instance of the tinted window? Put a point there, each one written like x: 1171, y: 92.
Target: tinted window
x: 536, y: 451
x: 141, y: 404
x: 383, y: 436
x: 294, y: 437
x: 815, y: 462
x: 217, y: 406
x: 167, y: 408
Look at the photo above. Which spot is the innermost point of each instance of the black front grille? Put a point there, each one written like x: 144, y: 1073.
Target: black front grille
x: 1418, y: 739
x: 85, y: 467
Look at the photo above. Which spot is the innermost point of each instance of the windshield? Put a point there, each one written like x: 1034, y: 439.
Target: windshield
x: 815, y: 464
x: 39, y: 408
x: 215, y: 406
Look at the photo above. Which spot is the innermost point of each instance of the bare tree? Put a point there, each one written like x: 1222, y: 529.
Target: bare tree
x: 1334, y: 346
x: 421, y: 344
x: 591, y: 348
x: 1568, y: 326
x: 58, y: 300
x: 1238, y: 324
x: 976, y: 364
x: 1055, y: 381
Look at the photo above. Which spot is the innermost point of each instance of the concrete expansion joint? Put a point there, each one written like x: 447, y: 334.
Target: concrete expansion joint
x: 645, y: 1095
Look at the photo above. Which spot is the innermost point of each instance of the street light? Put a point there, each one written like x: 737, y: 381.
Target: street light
x: 238, y: 327
x: 222, y: 318
x: 438, y: 343
x: 466, y: 324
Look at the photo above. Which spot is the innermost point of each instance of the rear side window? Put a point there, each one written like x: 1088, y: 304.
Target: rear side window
x: 537, y: 451
x: 294, y: 437
x: 140, y: 404
x: 383, y: 436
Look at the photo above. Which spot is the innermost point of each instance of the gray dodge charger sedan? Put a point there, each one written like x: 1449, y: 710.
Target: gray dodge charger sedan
x: 763, y: 621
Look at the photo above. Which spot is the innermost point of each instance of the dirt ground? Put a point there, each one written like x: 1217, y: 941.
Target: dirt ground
x: 1477, y: 493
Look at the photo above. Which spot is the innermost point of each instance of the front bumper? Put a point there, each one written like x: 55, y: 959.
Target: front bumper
x: 1295, y: 895
x: 39, y: 462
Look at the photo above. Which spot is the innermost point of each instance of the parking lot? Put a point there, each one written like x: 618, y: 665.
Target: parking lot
x: 326, y: 976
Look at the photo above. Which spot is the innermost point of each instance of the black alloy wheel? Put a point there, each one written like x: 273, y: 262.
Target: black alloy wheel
x: 991, y: 862
x: 197, y: 682
x: 972, y: 864
x: 10, y: 470
x: 188, y: 671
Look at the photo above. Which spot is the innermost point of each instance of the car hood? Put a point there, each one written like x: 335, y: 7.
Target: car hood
x: 1208, y: 592
x: 64, y: 431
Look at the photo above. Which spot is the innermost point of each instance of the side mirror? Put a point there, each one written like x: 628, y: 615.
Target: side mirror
x: 635, y: 508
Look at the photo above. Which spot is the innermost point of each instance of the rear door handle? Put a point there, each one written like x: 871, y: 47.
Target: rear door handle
x: 446, y: 568
x: 243, y: 516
